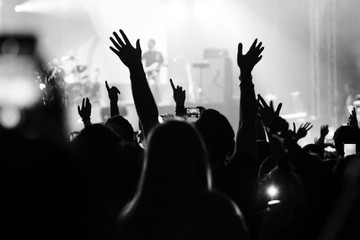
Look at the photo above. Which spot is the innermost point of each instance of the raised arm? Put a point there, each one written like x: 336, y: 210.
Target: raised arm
x: 85, y: 111
x: 113, y: 96
x: 352, y: 120
x: 246, y: 135
x: 144, y: 101
x: 324, y: 131
x: 301, y: 132
x: 179, y: 98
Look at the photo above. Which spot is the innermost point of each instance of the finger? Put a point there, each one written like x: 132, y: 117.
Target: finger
x: 78, y: 107
x: 117, y: 90
x: 115, y: 51
x: 172, y: 84
x: 88, y: 104
x: 278, y: 108
x: 125, y: 37
x: 254, y: 43
x: 261, y: 49
x: 138, y: 45
x: 83, y: 103
x: 310, y: 128
x: 115, y: 43
x: 272, y: 105
x: 119, y: 39
x: 107, y: 86
x: 259, y: 46
x: 262, y: 101
x: 240, y: 48
x: 294, y: 127
x: 258, y: 59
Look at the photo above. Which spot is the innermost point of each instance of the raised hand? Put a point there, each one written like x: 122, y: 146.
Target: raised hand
x: 268, y: 115
x: 85, y: 111
x: 178, y: 94
x: 246, y: 62
x: 352, y: 120
x: 324, y: 130
x: 129, y: 55
x: 302, y: 131
x: 112, y: 92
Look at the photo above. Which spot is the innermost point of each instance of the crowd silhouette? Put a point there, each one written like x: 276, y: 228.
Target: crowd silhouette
x: 176, y: 179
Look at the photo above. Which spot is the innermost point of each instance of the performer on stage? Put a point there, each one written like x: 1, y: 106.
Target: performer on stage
x: 153, y: 60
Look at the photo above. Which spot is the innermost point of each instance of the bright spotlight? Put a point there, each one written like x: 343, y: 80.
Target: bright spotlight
x: 18, y: 8
x: 176, y: 12
x: 272, y: 191
x: 10, y: 117
x: 203, y: 9
x: 42, y: 86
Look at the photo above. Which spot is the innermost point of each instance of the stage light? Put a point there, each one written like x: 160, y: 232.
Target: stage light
x: 176, y: 12
x: 10, y: 117
x: 272, y: 191
x: 42, y: 86
x: 273, y: 202
x: 203, y: 9
x: 18, y: 8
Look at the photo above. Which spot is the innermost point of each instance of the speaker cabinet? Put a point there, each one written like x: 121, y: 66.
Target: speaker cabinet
x: 212, y: 80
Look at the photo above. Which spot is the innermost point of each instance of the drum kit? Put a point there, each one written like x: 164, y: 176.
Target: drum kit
x: 77, y: 81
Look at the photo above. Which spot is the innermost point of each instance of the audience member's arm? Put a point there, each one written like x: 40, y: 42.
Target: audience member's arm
x: 179, y: 98
x: 324, y: 130
x: 301, y: 132
x: 274, y: 125
x: 113, y: 96
x: 246, y: 135
x: 144, y: 101
x: 352, y: 120
x: 85, y: 111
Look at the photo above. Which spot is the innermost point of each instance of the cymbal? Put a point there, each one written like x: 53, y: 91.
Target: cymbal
x: 81, y: 68
x: 70, y: 58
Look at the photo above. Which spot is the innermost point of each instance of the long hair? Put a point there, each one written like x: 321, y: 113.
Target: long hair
x: 176, y: 164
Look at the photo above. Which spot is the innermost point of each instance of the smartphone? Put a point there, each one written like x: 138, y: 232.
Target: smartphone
x: 19, y: 86
x: 18, y: 67
x: 193, y: 112
x: 349, y: 149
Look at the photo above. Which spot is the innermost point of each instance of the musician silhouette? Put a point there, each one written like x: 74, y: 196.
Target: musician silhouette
x: 152, y: 61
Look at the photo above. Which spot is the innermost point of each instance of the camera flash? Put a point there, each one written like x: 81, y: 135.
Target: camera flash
x: 272, y: 191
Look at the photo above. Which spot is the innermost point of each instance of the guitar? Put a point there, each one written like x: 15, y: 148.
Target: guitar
x: 153, y: 70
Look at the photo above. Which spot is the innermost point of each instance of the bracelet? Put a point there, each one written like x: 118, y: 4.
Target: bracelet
x: 245, y: 77
x: 246, y: 80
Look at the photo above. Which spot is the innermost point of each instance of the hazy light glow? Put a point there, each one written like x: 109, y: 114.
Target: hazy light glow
x: 204, y: 9
x: 273, y: 202
x: 10, y: 116
x: 272, y: 191
x: 45, y: 6
x: 18, y: 91
x: 176, y: 12
x: 294, y: 115
x: 42, y: 86
x: 18, y: 8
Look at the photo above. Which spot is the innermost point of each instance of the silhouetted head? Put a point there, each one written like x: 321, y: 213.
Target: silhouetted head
x: 314, y: 149
x: 346, y: 134
x: 175, y: 158
x: 151, y: 44
x: 122, y: 127
x: 96, y: 146
x: 217, y: 133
